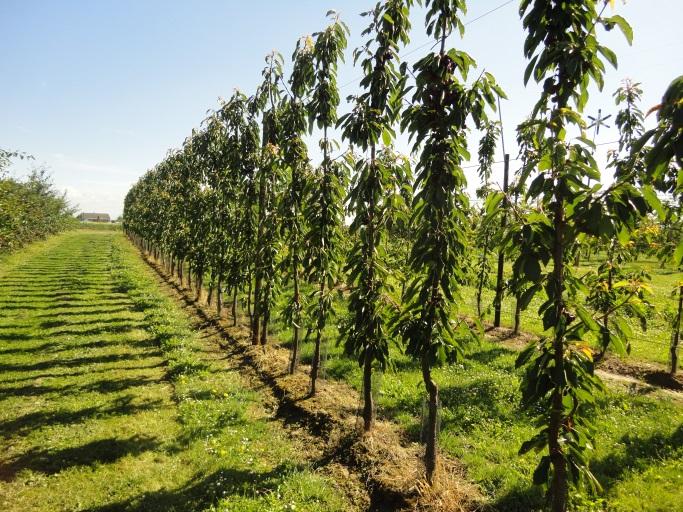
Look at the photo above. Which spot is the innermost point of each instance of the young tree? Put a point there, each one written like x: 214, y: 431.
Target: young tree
x: 375, y: 194
x: 614, y: 293
x: 559, y: 381
x: 296, y: 161
x: 487, y: 225
x: 325, y: 193
x: 267, y: 101
x: 443, y: 107
x: 663, y: 162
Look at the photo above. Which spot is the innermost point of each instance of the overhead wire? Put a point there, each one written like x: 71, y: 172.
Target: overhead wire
x: 428, y: 43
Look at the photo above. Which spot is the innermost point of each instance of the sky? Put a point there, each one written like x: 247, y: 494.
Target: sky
x: 98, y: 92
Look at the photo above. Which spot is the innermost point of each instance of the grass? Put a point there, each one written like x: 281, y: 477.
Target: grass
x: 638, y: 456
x: 110, y: 402
x: 651, y: 345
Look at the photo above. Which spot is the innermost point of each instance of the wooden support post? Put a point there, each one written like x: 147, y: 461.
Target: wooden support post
x: 498, y: 300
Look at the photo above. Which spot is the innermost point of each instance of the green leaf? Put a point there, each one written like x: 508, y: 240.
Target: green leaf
x: 678, y: 254
x: 532, y: 268
x: 651, y: 197
x: 530, y: 69
x: 623, y: 26
x: 609, y: 55
x: 624, y: 236
x: 492, y: 202
x: 586, y: 318
x: 386, y: 137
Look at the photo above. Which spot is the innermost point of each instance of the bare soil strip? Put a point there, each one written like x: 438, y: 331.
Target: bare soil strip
x: 639, y: 374
x: 384, y: 462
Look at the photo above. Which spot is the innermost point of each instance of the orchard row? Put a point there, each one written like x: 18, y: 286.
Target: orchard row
x: 242, y: 204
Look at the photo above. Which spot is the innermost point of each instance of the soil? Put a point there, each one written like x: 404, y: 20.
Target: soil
x: 639, y: 373
x: 378, y: 471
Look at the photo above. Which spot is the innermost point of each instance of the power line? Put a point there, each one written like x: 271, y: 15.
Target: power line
x: 427, y: 43
x: 515, y: 159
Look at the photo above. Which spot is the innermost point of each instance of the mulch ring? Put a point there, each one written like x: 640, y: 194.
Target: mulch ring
x: 389, y: 464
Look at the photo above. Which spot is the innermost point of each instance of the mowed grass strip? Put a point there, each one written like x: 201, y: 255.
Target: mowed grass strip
x: 638, y: 453
x: 108, y: 403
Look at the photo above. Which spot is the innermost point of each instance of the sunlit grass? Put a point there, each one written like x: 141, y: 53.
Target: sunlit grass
x: 639, y: 441
x: 108, y: 401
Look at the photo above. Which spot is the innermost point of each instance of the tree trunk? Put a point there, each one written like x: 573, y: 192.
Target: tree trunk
x: 315, y: 364
x: 264, y: 328
x: 219, y: 295
x: 559, y: 488
x: 518, y: 315
x: 249, y: 311
x: 234, y: 306
x: 676, y: 334
x: 256, y: 318
x: 430, y: 432
x: 605, y: 317
x: 212, y: 283
x: 482, y: 274
x: 255, y: 324
x: 368, y: 405
x: 297, y: 316
x: 294, y: 362
x: 199, y: 282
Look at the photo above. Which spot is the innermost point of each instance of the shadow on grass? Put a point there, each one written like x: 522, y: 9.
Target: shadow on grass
x: 108, y: 329
x: 49, y: 461
x: 92, y: 319
x: 36, y: 420
x: 489, y: 355
x: 202, y: 491
x: 89, y: 371
x: 63, y: 305
x: 638, y: 454
x: 100, y: 311
x: 521, y: 500
x: 101, y: 386
x: 79, y: 361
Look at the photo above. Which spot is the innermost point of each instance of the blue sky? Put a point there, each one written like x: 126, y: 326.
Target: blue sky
x: 99, y: 91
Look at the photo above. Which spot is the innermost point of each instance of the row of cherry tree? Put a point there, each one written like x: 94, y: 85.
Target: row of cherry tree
x: 242, y: 205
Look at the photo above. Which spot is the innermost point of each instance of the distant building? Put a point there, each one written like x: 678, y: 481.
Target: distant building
x: 94, y: 217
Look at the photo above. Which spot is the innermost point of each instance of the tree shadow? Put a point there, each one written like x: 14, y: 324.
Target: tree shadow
x: 101, y: 311
x: 50, y: 461
x: 202, y: 491
x: 78, y: 361
x: 42, y: 348
x: 59, y: 294
x: 664, y: 380
x: 126, y: 327
x: 88, y: 371
x: 638, y: 454
x: 16, y: 336
x: 64, y: 305
x: 95, y: 320
x: 37, y: 420
x: 120, y: 384
x: 101, y: 386
x: 489, y: 355
x: 521, y: 499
